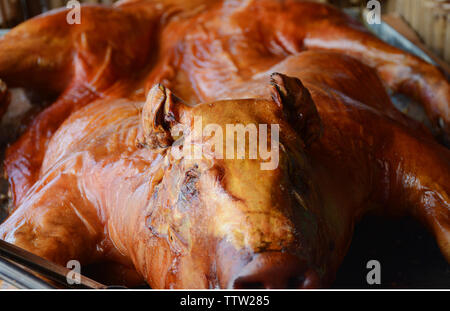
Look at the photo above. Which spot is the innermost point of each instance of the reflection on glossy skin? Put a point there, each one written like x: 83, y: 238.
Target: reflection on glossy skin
x: 94, y: 177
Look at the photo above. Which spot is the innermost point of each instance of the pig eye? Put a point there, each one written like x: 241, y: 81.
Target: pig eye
x: 296, y: 174
x: 298, y: 181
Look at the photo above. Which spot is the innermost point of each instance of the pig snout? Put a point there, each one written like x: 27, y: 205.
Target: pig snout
x: 275, y: 270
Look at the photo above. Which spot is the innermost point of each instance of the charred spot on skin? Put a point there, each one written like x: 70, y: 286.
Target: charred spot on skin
x: 153, y: 219
x: 189, y: 187
x: 161, y: 226
x: 149, y: 223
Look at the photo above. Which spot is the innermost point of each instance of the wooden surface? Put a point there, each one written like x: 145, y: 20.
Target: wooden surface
x: 430, y: 19
x: 398, y: 23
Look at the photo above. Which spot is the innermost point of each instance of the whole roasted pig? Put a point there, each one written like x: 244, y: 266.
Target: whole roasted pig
x: 97, y: 177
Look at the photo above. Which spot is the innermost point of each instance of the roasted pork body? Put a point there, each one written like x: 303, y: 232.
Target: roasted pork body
x: 98, y: 175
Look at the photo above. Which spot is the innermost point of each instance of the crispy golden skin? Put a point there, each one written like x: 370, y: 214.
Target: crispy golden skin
x: 94, y: 177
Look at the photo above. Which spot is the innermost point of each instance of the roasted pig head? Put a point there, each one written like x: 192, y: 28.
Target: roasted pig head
x: 236, y: 218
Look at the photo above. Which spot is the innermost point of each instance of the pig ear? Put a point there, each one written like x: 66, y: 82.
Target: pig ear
x: 159, y: 114
x: 295, y: 100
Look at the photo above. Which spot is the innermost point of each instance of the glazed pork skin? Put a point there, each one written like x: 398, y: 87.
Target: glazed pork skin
x: 93, y: 178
